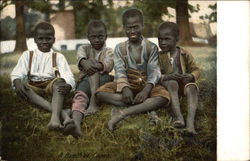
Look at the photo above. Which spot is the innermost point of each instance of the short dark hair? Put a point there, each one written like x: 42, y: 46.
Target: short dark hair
x: 170, y: 25
x: 96, y: 24
x: 132, y: 12
x: 45, y: 26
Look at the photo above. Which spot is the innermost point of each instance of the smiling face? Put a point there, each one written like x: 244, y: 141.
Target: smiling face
x: 44, y: 39
x: 167, y: 39
x: 133, y: 28
x: 97, y: 37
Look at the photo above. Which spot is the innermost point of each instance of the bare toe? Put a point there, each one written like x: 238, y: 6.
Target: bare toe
x: 69, y: 128
x: 54, y: 126
x: 178, y: 124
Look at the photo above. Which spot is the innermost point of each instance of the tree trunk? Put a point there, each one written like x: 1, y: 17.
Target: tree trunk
x: 20, y: 27
x: 183, y: 21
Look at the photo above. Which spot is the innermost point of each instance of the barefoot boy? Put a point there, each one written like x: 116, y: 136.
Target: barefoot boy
x: 136, y: 72
x: 44, y: 72
x: 179, y: 74
x: 95, y: 61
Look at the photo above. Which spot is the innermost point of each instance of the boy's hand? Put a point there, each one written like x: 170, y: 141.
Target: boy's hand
x: 127, y: 95
x: 89, y: 66
x: 20, y: 89
x: 143, y: 95
x: 64, y: 89
x: 173, y: 76
x: 98, y: 66
x: 187, y: 78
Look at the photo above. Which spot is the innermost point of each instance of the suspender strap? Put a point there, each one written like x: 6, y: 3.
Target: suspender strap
x: 30, y: 62
x: 57, y: 73
x: 124, y: 53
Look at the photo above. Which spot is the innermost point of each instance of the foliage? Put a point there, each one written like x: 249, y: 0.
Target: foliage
x: 25, y: 136
x: 213, y: 16
x: 86, y: 10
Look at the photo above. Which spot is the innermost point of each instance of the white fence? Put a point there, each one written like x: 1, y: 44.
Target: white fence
x: 8, y: 46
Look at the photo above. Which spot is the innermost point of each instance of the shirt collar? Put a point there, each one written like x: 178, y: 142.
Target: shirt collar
x: 40, y: 52
x: 143, y: 42
x: 97, y: 51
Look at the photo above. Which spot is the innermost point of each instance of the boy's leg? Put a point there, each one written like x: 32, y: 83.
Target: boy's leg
x: 79, y: 108
x: 42, y: 103
x: 173, y: 88
x: 94, y: 84
x: 110, y: 98
x: 148, y: 105
x: 56, y: 104
x: 192, y: 99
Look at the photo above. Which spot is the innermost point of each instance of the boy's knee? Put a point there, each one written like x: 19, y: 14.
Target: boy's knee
x: 171, y: 85
x: 58, y: 82
x: 191, y: 89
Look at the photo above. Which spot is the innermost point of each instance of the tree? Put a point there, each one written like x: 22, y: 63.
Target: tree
x: 183, y: 22
x: 20, y: 27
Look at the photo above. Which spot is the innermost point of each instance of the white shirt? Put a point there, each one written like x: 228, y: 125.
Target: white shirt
x: 41, y: 67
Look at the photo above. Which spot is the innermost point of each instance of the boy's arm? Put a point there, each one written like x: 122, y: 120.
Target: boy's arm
x: 121, y: 76
x: 21, y: 69
x: 153, y: 75
x: 65, y: 70
x: 20, y: 88
x: 80, y: 55
x: 192, y: 68
x: 108, y: 61
x: 120, y: 70
x: 153, y: 69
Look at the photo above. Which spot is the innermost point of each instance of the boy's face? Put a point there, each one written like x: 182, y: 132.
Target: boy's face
x: 44, y: 39
x: 97, y: 37
x: 167, y: 39
x: 133, y: 28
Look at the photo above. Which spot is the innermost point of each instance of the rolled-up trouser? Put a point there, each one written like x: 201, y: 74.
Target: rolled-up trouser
x: 80, y: 102
x: 83, y: 92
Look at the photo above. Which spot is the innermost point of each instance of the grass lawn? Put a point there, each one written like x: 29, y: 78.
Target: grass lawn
x: 25, y: 136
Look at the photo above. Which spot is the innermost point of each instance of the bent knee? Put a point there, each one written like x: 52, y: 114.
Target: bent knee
x: 191, y: 89
x: 58, y: 82
x: 171, y: 85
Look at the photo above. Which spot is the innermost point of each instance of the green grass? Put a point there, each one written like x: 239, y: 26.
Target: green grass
x: 25, y: 136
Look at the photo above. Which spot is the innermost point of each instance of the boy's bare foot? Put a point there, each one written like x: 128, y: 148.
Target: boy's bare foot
x: 73, y: 129
x: 92, y: 109
x: 54, y: 125
x: 116, y: 116
x: 190, y: 132
x: 178, y: 124
x: 66, y: 117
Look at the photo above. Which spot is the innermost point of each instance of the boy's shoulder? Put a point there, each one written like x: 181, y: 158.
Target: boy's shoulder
x: 148, y: 43
x: 88, y: 46
x: 84, y: 46
x: 184, y: 51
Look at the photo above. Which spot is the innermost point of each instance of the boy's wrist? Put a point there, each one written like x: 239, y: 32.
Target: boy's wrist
x: 100, y: 66
x: 148, y: 87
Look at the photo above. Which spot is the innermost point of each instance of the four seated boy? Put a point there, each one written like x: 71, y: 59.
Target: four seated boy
x: 139, y: 70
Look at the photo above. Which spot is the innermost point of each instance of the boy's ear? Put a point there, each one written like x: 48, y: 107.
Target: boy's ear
x: 35, y: 39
